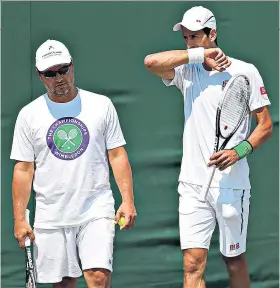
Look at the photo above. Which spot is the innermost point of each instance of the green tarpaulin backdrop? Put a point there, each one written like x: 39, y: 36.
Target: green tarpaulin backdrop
x: 109, y: 41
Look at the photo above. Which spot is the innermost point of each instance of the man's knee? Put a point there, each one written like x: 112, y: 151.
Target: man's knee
x: 98, y: 277
x: 235, y: 264
x: 195, y: 261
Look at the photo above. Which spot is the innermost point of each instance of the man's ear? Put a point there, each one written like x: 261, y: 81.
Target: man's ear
x: 213, y: 35
x: 39, y: 74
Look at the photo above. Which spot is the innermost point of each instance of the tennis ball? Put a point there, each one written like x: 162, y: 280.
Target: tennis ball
x: 121, y: 221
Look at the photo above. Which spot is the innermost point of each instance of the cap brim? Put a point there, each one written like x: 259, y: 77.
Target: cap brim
x: 177, y: 27
x: 189, y: 26
x: 46, y: 64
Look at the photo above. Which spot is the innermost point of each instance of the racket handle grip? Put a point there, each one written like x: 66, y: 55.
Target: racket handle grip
x: 204, y: 192
x: 27, y: 218
x: 27, y: 240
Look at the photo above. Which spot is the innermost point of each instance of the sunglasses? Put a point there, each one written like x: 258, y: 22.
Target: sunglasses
x: 62, y: 71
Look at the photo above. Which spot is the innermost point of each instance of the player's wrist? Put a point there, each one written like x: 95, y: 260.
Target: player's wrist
x: 19, y: 218
x: 243, y: 149
x: 128, y: 200
x: 196, y: 55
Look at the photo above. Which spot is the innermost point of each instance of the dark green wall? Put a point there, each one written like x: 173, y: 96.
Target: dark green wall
x: 109, y: 41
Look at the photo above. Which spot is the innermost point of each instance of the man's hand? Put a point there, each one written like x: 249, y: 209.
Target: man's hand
x: 128, y: 210
x: 21, y: 230
x: 216, y: 59
x: 223, y: 159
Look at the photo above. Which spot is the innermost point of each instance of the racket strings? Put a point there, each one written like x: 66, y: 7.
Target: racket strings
x: 233, y: 106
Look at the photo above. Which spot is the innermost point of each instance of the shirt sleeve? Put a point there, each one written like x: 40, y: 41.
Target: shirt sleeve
x: 22, y: 146
x: 259, y: 97
x: 178, y: 78
x: 113, y: 133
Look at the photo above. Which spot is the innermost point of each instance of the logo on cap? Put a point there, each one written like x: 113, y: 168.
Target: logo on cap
x: 51, y: 47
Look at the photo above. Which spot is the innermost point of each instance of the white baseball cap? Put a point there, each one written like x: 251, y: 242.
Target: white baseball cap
x: 52, y: 53
x: 196, y: 19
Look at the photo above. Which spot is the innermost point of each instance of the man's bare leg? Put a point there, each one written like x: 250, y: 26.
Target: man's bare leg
x: 237, y: 271
x: 194, y: 266
x: 97, y: 278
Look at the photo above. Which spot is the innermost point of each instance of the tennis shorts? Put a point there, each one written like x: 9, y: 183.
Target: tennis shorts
x: 66, y: 252
x: 197, y: 220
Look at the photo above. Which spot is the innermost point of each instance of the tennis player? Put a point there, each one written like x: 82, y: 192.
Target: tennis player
x: 71, y: 135
x: 201, y: 72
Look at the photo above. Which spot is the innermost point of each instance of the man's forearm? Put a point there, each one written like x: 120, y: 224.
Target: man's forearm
x: 21, y: 190
x: 166, y: 60
x: 263, y: 131
x: 163, y: 64
x: 260, y: 135
x: 123, y: 177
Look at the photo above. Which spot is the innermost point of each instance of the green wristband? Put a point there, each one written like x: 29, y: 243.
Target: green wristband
x: 243, y: 149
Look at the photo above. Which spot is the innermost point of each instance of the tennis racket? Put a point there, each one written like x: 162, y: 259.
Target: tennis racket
x: 30, y: 273
x: 231, y: 111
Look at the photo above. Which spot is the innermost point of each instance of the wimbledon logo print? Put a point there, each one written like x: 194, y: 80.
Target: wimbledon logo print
x: 68, y: 138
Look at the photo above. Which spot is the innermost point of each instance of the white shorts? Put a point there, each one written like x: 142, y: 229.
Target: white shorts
x: 59, y: 252
x: 197, y: 220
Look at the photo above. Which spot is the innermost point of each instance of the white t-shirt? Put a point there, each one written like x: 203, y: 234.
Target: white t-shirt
x: 202, y: 91
x: 72, y: 174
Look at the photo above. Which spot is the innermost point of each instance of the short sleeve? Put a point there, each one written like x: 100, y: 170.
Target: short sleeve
x: 178, y: 78
x: 259, y: 97
x: 113, y: 133
x: 22, y: 146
